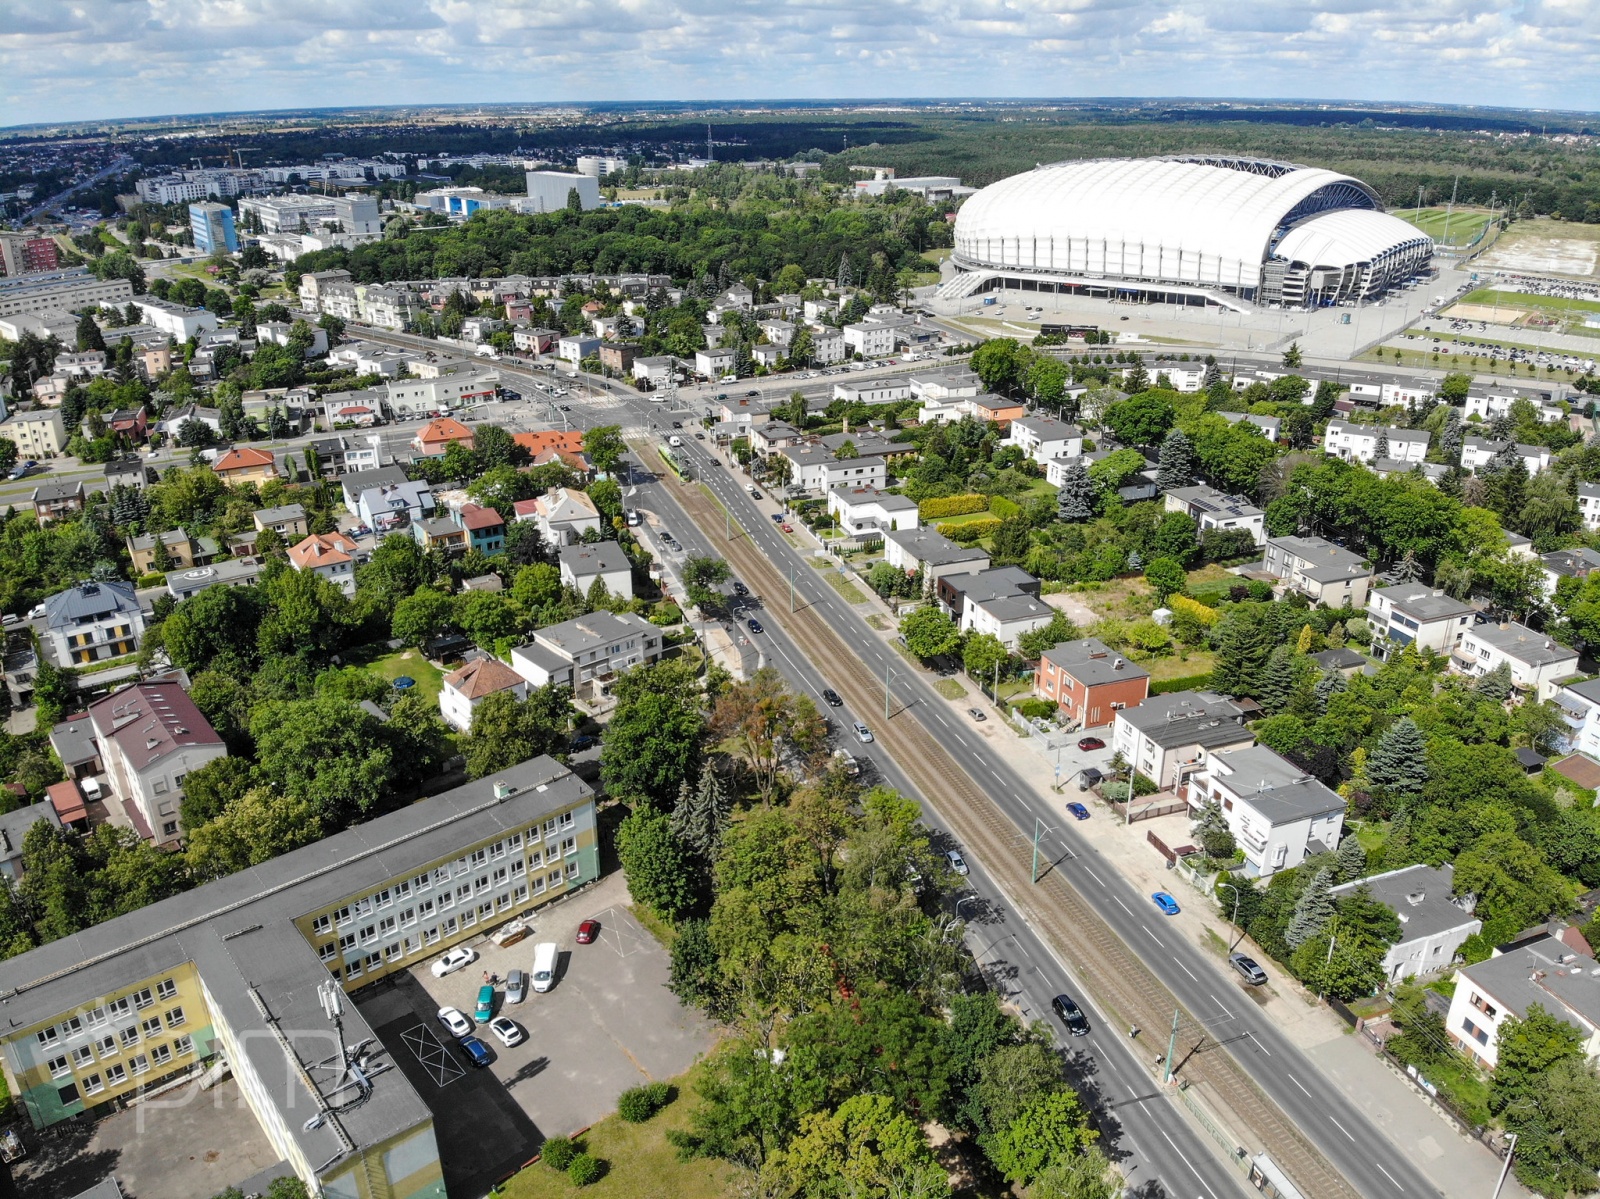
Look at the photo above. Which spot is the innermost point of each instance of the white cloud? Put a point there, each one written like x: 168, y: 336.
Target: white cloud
x: 84, y: 59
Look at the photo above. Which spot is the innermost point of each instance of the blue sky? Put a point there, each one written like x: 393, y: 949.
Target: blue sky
x: 85, y: 59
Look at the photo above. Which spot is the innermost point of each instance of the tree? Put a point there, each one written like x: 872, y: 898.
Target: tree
x: 420, y: 617
x: 398, y: 566
x: 1339, y: 962
x: 700, y: 576
x: 929, y: 633
x: 1312, y: 911
x: 1055, y: 1125
x: 1212, y: 831
x: 257, y: 826
x: 999, y: 362
x: 604, y: 447
x: 210, y: 790
x: 89, y: 336
x: 652, y: 745
x: 659, y: 871
x: 702, y: 814
x: 1177, y: 461
x: 1086, y: 1175
x: 326, y: 751
x: 220, y: 621
x: 1075, y: 501
x: 863, y: 1148
x: 1141, y: 419
x: 1165, y: 578
x: 1242, y: 642
x: 763, y: 722
x: 506, y: 730
x: 1398, y: 765
x: 1495, y: 684
x: 981, y: 654
x: 1291, y: 356
x: 1351, y: 859
x: 1009, y: 1081
x: 1526, y: 1051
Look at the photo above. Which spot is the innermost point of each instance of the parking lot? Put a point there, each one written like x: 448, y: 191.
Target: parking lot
x: 608, y: 1024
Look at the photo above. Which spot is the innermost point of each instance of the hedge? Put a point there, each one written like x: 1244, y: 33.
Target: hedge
x: 1205, y: 615
x: 1192, y: 682
x: 638, y: 1104
x: 952, y: 505
x: 583, y: 1170
x: 971, y: 531
x: 1003, y: 508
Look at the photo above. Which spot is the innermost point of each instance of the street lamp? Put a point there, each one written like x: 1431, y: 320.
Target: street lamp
x: 1235, y: 890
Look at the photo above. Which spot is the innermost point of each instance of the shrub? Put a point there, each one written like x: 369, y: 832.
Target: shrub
x: 638, y: 1104
x: 559, y: 1152
x: 1036, y: 709
x: 1191, y: 682
x: 583, y: 1170
x: 1201, y: 613
x: 952, y: 505
x: 971, y: 531
x: 1003, y: 508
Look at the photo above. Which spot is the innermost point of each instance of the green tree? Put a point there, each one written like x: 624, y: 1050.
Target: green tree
x: 1398, y: 765
x: 865, y: 1147
x: 604, y: 447
x: 661, y: 875
x: 1312, y: 911
x: 1010, y: 1081
x: 421, y: 616
x: 1141, y: 419
x: 254, y: 828
x: 1352, y: 859
x: 653, y: 741
x: 220, y: 622
x: 929, y: 633
x: 981, y: 654
x: 1242, y: 641
x: 1055, y: 1125
x: 325, y: 751
x: 506, y: 731
x: 89, y: 336
x: 398, y: 566
x: 1075, y: 501
x: 210, y: 790
x: 1087, y: 1175
x: 763, y: 723
x: 702, y: 813
x: 1291, y: 356
x: 1212, y: 831
x: 999, y: 363
x: 1165, y: 578
x: 1526, y: 1051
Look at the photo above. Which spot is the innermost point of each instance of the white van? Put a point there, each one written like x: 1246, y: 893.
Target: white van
x: 544, y: 965
x: 675, y: 442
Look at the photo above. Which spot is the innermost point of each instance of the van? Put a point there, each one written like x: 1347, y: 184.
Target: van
x: 675, y: 442
x: 544, y: 966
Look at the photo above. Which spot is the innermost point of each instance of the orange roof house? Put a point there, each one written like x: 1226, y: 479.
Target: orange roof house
x: 465, y: 688
x: 242, y: 464
x: 570, y: 442
x: 434, y: 437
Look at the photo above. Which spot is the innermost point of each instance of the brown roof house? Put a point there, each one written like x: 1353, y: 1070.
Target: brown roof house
x: 468, y: 686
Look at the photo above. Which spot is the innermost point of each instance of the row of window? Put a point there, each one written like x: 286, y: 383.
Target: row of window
x: 111, y: 1044
x: 119, y: 1072
x: 114, y: 1009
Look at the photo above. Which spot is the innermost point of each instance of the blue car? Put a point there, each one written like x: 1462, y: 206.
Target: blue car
x: 1079, y: 812
x: 1167, y: 904
x: 753, y: 625
x: 477, y: 1052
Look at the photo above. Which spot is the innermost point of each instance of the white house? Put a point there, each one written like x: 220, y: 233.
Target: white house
x: 873, y: 391
x: 1589, y: 504
x: 1543, y: 970
x: 866, y: 510
x: 1408, y: 613
x: 1537, y: 662
x: 588, y: 652
x: 713, y: 363
x: 1577, y: 563
x: 1433, y: 921
x: 1580, y: 704
x: 575, y: 347
x: 1186, y: 377
x: 814, y: 468
x: 932, y: 553
x: 827, y: 346
x: 582, y: 565
x: 1325, y: 573
x: 954, y: 384
x: 563, y: 514
x: 334, y: 556
x: 1478, y: 452
x: 1279, y: 814
x: 93, y: 621
x: 468, y: 686
x: 1007, y: 617
x: 151, y: 737
x: 1487, y: 407
x: 452, y: 385
x: 1044, y: 438
x: 1363, y: 443
x: 1272, y: 426
x: 1166, y: 737
x: 870, y: 340
x: 1211, y: 509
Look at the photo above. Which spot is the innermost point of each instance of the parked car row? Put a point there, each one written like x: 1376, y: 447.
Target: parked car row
x: 507, y: 1031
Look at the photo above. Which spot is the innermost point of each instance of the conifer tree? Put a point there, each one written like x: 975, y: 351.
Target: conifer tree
x: 1312, y: 910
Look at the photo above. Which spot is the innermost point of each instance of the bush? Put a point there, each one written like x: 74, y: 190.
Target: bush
x: 559, y: 1152
x: 638, y: 1104
x: 1003, y: 508
x: 1191, y: 682
x: 971, y: 531
x: 952, y: 505
x: 1036, y: 709
x: 583, y: 1170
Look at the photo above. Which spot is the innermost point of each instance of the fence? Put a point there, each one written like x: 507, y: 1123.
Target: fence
x: 1144, y: 811
x: 1430, y: 1094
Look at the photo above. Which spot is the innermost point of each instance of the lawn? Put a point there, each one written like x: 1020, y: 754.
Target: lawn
x: 848, y: 590
x: 639, y: 1159
x: 1464, y: 223
x: 1520, y: 299
x: 1173, y: 667
x: 410, y: 662
x: 950, y: 688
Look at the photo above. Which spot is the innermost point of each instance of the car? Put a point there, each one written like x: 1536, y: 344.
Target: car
x: 454, y: 960
x: 977, y: 714
x: 506, y: 1031
x: 10, y: 618
x: 582, y: 741
x: 863, y: 733
x: 477, y: 1052
x: 1167, y: 904
x: 1088, y: 743
x: 1071, y: 1015
x: 1247, y: 967
x: 457, y: 1024
x: 831, y: 697
x: 516, y: 986
x: 566, y: 407
x: 755, y: 493
x: 587, y: 932
x: 752, y: 393
x: 699, y: 436
x: 635, y: 519
x: 753, y: 625
x: 957, y: 862
x: 739, y: 588
x: 485, y: 1007
x: 1077, y: 811
x: 786, y: 527
x: 677, y: 424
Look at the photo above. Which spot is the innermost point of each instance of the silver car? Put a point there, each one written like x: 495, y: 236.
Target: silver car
x: 516, y: 986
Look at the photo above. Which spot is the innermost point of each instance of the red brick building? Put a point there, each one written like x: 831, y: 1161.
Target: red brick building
x: 1090, y: 682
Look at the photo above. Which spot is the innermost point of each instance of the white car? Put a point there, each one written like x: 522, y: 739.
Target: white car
x: 957, y: 862
x: 454, y: 960
x: 506, y: 1031
x: 455, y: 1022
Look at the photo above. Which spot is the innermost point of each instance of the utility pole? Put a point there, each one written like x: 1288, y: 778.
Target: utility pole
x: 791, y: 589
x: 888, y: 673
x: 1172, y: 1047
x: 1510, y: 1149
x: 994, y: 690
x: 1450, y: 211
x: 1038, y: 828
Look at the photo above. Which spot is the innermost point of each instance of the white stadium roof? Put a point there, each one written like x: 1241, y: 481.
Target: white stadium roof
x: 1201, y: 221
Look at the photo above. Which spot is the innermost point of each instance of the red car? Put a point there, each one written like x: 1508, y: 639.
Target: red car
x: 588, y: 931
x: 787, y: 527
x: 1089, y: 743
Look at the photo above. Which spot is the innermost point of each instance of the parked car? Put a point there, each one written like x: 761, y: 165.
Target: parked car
x: 1247, y: 968
x: 582, y: 741
x: 1088, y: 743
x: 786, y: 527
x: 863, y: 733
x: 755, y: 492
x: 753, y: 625
x: 546, y: 956
x: 1071, y: 1015
x: 506, y: 1031
x: 587, y: 932
x: 485, y: 1007
x: 957, y: 862
x: 477, y: 1052
x: 1078, y: 811
x: 516, y: 986
x: 1167, y: 904
x: 454, y: 960
x: 457, y: 1024
x: 977, y: 714
x: 831, y: 697
x: 777, y: 518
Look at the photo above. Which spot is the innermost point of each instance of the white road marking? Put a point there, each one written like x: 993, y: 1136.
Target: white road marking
x: 1186, y: 970
x: 1186, y: 1161
x: 1123, y: 906
x: 1299, y: 1084
x: 1342, y: 1129
x: 1389, y: 1176
x: 1097, y: 878
x: 1262, y: 1047
x: 1220, y: 1008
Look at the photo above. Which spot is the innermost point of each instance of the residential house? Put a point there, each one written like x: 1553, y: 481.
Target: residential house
x: 1487, y: 407
x: 1580, y: 704
x: 1434, y: 921
x: 1364, y: 443
x: 939, y: 386
x: 1345, y: 660
x: 869, y: 340
x: 575, y: 347
x: 1538, y: 663
x: 1007, y: 617
x: 385, y: 498
x: 954, y: 591
x: 779, y: 332
x: 617, y: 356
x: 588, y: 652
x: 93, y: 621
x: 601, y: 561
x: 36, y: 434
x: 445, y: 386
x: 151, y: 738
x: 74, y: 744
x: 567, y: 442
x: 172, y: 424
x: 1548, y: 971
x: 14, y: 826
x: 485, y: 528
x: 1278, y: 814
x: 230, y: 572
x: 245, y: 464
x: 287, y: 521
x: 183, y: 551
x: 437, y: 436
x: 1578, y: 564
x: 440, y: 533
x: 1167, y: 737
x: 1211, y: 509
x: 766, y: 355
x: 1044, y: 438
x: 769, y: 437
x: 873, y: 391
x: 563, y: 514
x: 932, y: 554
x: 996, y: 410
x: 1271, y: 426
x: 828, y: 346
x: 127, y: 472
x: 1321, y: 571
x: 655, y: 370
x: 334, y: 556
x: 1090, y: 682
x: 713, y: 363
x: 1478, y: 452
x: 464, y: 688
x: 56, y: 501
x: 132, y: 423
x: 1407, y: 613
x: 868, y: 512
x: 535, y: 341
x: 815, y: 468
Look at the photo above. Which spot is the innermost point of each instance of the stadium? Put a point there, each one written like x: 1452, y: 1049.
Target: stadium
x: 1192, y: 230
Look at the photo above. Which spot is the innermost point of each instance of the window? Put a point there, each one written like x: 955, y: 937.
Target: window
x: 408, y: 917
x: 485, y: 910
x: 321, y: 925
x: 423, y: 882
x: 573, y: 870
x: 387, y: 925
x: 431, y: 936
x: 175, y: 1017
x: 151, y: 1028
x: 142, y: 998
x: 374, y: 960
x: 514, y: 841
x: 328, y: 951
x: 169, y: 828
x: 402, y: 890
x: 362, y: 907
x: 441, y: 874
x: 383, y: 898
x: 343, y: 915
x: 519, y: 893
x: 425, y: 908
x: 82, y: 1056
x: 569, y: 846
x: 554, y: 878
x: 497, y: 850
x: 518, y: 867
x: 116, y: 1074
x: 464, y: 892
x: 353, y: 970
x: 107, y: 1046
x: 160, y: 787
x: 183, y: 1045
x: 393, y: 952
x: 68, y: 1093
x: 138, y: 1064
x: 161, y: 1055
x: 369, y: 934
x: 566, y: 820
x: 538, y: 885
x: 48, y: 1036
x: 130, y: 1036
x: 468, y: 919
x: 71, y: 1026
x: 166, y: 988
x: 479, y: 857
x: 58, y: 1067
x: 480, y: 884
x: 446, y: 900
x: 96, y: 1016
x: 348, y: 941
x: 92, y: 1084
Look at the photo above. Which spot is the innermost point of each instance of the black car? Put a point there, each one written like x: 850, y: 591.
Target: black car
x: 753, y: 625
x: 740, y: 589
x: 1071, y: 1015
x: 832, y: 696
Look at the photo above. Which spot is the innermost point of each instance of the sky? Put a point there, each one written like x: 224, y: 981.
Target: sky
x: 69, y: 60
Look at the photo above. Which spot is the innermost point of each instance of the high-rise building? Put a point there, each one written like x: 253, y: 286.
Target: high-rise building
x: 24, y: 253
x: 601, y: 165
x: 548, y: 191
x: 212, y: 225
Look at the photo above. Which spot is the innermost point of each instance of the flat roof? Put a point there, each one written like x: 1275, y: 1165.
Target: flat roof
x: 933, y: 547
x: 1423, y: 602
x: 1420, y: 895
x: 1273, y: 785
x: 1522, y: 643
x: 1188, y: 718
x: 1543, y: 971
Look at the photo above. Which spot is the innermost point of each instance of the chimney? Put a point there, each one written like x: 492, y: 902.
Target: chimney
x: 1415, y: 897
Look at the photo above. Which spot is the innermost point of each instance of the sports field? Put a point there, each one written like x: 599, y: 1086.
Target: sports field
x: 1457, y: 228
